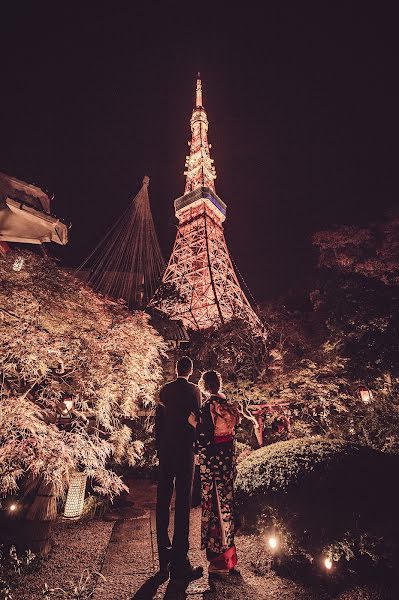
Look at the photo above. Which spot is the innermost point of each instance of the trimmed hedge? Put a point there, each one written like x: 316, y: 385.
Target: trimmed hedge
x: 323, y: 497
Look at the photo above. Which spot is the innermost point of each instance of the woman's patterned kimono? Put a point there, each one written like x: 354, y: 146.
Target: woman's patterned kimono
x: 216, y: 456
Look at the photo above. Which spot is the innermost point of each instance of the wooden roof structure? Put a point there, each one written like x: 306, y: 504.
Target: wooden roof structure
x: 25, y: 216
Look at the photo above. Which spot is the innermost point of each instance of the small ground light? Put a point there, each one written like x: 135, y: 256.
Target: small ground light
x: 273, y: 542
x: 328, y: 563
x: 12, y: 507
x: 18, y: 263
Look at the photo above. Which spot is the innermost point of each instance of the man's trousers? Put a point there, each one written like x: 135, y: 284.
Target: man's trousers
x: 175, y: 471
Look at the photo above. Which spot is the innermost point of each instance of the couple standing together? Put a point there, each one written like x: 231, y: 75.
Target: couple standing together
x: 184, y: 428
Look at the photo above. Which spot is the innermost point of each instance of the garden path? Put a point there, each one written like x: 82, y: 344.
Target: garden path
x: 131, y: 558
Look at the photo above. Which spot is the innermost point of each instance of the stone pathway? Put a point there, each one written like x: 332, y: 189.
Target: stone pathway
x: 131, y: 559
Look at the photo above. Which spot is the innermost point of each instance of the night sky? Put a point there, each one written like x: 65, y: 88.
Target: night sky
x: 302, y: 100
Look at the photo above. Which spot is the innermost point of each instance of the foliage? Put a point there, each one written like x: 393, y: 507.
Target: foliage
x: 13, y: 565
x: 145, y: 466
x: 372, y: 252
x: 61, y: 341
x: 321, y: 497
x: 167, y: 297
x: 360, y: 298
x: 358, y: 303
x: 293, y: 332
x: 94, y: 506
x: 242, y: 451
x: 80, y: 590
x: 324, y: 399
x: 323, y: 347
x: 233, y: 349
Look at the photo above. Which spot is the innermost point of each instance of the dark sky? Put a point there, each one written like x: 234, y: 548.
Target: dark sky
x: 302, y: 100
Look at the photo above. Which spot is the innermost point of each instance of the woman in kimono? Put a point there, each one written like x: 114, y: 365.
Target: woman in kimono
x: 216, y: 431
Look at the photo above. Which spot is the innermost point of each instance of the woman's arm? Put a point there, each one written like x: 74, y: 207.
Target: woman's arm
x: 192, y: 419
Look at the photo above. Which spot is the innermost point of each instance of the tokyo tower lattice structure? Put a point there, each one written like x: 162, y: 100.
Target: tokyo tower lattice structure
x: 200, y: 273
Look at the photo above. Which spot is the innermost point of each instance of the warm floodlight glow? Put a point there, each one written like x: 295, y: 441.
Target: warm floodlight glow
x: 12, y: 507
x: 328, y: 563
x: 273, y: 542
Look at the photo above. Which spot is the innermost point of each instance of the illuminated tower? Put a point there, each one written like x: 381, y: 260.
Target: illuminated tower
x: 200, y: 285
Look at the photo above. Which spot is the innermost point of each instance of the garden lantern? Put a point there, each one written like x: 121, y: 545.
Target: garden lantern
x: 365, y: 394
x: 64, y: 409
x: 68, y: 405
x: 75, y: 496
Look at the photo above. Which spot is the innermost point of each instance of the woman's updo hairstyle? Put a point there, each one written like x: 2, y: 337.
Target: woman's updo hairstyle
x: 210, y: 382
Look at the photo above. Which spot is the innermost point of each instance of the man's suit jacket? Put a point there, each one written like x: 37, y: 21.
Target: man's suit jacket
x: 173, y: 433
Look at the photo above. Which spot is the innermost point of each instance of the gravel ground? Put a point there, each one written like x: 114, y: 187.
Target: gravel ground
x: 83, y: 545
x: 76, y: 546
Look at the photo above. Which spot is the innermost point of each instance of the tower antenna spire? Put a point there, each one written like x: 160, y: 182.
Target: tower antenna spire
x: 200, y: 170
x: 198, y: 95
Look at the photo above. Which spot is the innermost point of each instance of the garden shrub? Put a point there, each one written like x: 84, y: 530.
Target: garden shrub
x: 322, y: 497
x: 242, y: 451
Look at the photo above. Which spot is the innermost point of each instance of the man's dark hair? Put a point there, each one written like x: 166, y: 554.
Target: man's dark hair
x: 184, y: 366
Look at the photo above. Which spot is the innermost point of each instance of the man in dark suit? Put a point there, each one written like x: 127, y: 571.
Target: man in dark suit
x: 175, y: 423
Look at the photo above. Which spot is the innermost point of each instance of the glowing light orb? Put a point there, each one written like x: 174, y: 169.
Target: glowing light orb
x: 328, y: 563
x: 12, y: 507
x: 273, y: 543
